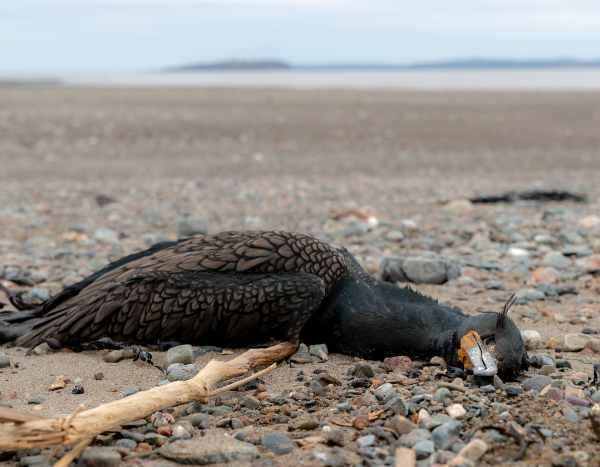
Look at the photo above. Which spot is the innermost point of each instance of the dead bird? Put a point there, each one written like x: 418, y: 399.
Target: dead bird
x: 246, y: 288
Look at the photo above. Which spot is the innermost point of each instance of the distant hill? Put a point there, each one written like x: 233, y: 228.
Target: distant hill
x: 233, y: 65
x: 458, y: 64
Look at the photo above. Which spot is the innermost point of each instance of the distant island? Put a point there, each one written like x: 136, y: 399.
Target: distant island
x: 458, y: 64
x: 233, y: 65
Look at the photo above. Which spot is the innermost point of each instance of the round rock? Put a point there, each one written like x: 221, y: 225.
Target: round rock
x: 213, y: 448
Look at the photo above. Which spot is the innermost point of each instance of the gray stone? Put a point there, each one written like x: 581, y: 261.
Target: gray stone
x: 98, y: 456
x: 385, y: 392
x: 410, y: 439
x: 302, y: 355
x: 362, y: 370
x: 278, y: 443
x: 213, y: 448
x: 536, y: 383
x: 39, y: 294
x: 42, y: 349
x: 529, y: 295
x: 199, y: 420
x: 180, y: 354
x: 425, y: 270
x: 129, y: 391
x: 443, y: 436
x: 181, y: 372
x: 424, y: 449
x: 442, y: 394
x: 4, y: 360
x: 392, y: 269
x: 34, y: 461
x: 320, y: 351
x: 570, y: 414
x: 188, y: 226
x: 249, y: 402
x: 532, y: 339
x: 344, y: 407
x: 104, y: 235
x: 596, y: 396
x: 366, y: 441
x: 303, y: 422
x: 37, y: 399
x: 396, y: 405
x: 181, y: 432
x: 126, y: 443
x: 575, y: 342
x: 556, y: 260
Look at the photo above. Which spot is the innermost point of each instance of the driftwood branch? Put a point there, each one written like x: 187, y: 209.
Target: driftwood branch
x: 24, y: 433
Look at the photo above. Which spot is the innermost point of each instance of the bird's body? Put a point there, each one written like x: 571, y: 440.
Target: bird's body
x: 243, y: 288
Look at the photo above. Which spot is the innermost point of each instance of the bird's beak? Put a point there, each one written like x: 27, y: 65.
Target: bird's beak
x: 474, y: 355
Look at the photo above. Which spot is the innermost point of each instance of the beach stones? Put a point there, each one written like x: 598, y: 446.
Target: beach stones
x: 213, y: 448
x: 419, y: 269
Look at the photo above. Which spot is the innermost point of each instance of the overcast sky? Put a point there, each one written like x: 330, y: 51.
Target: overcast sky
x: 127, y: 35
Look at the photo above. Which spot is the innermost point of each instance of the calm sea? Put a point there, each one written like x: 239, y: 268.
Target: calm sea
x: 563, y: 79
x: 576, y: 79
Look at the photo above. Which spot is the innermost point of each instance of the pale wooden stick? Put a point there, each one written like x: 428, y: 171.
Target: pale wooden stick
x: 74, y: 453
x: 89, y: 423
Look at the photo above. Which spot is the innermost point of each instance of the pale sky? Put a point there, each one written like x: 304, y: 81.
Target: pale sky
x: 128, y: 35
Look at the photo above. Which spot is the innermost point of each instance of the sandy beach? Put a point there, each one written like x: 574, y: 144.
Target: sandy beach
x: 90, y: 174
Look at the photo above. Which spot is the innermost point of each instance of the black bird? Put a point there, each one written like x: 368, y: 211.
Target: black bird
x: 245, y: 288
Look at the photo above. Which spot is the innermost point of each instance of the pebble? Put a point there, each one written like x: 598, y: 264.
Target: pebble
x: 302, y: 355
x: 199, y: 420
x: 39, y: 294
x: 442, y: 394
x: 34, y: 461
x: 443, y: 436
x: 365, y: 441
x: 188, y: 226
x: 250, y: 402
x: 213, y: 448
x: 474, y: 450
x: 320, y: 351
x: 114, y: 356
x: 125, y: 443
x: 401, y: 362
x: 575, y: 342
x: 410, y: 439
x: 402, y: 425
x: 529, y: 295
x: 513, y: 390
x: 181, y: 372
x: 181, y: 432
x: 570, y: 414
x: 405, y: 457
x: 556, y: 260
x: 36, y: 399
x: 129, y: 391
x: 362, y: 370
x: 278, y: 443
x: 545, y: 276
x: 42, y: 349
x: 4, y: 360
x: 99, y: 456
x: 536, y: 383
x: 304, y: 422
x: 424, y: 449
x: 456, y: 411
x: 180, y: 354
x: 590, y: 264
x: 385, y: 392
x: 104, y: 235
x: 344, y: 407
